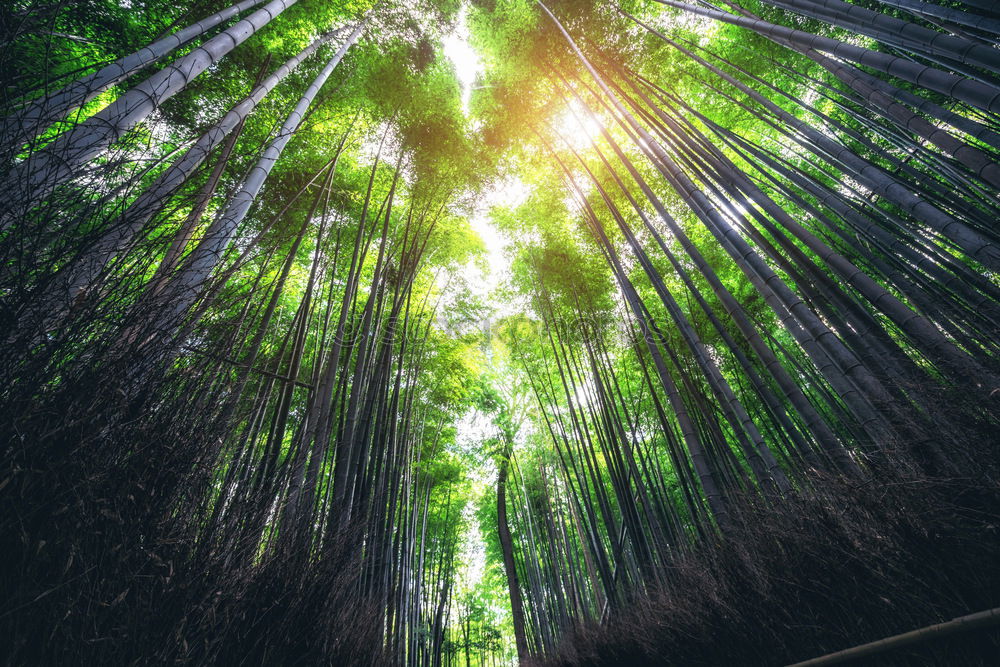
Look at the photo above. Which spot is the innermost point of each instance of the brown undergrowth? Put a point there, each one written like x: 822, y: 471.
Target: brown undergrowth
x: 820, y: 573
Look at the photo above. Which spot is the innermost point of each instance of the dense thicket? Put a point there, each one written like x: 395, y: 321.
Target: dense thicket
x: 732, y: 402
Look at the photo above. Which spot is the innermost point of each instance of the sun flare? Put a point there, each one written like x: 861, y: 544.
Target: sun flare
x: 577, y: 125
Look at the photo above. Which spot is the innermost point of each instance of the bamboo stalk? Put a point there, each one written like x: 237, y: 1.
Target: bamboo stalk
x: 980, y: 619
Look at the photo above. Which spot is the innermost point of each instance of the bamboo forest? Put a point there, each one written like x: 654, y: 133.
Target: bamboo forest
x: 482, y: 333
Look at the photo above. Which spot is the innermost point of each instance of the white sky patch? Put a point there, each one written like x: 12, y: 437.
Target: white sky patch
x: 509, y: 193
x: 472, y: 564
x: 702, y: 26
x: 467, y: 64
x: 370, y: 143
x: 577, y: 126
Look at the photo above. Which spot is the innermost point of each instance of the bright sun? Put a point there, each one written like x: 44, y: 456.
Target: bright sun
x: 577, y: 126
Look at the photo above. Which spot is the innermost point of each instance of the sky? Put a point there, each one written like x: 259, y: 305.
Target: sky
x: 511, y: 192
x: 459, y: 50
x: 576, y: 126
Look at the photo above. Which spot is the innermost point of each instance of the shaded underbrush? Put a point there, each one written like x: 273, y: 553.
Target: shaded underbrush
x: 861, y: 562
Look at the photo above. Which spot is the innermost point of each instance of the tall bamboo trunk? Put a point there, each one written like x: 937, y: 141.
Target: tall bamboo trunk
x: 66, y: 157
x: 186, y: 286
x: 28, y: 123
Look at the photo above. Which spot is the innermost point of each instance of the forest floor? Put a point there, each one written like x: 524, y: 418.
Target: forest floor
x: 818, y: 576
